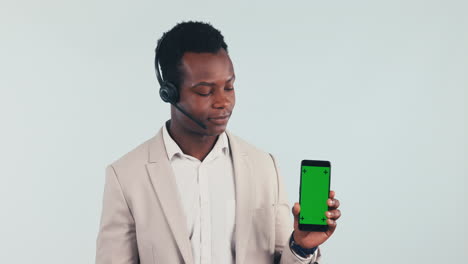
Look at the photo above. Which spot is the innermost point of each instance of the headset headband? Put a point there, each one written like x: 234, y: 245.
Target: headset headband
x: 156, y: 61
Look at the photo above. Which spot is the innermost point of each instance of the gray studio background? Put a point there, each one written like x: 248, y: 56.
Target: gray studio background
x: 377, y: 87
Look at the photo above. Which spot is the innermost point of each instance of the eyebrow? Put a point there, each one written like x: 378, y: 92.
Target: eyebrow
x: 212, y: 84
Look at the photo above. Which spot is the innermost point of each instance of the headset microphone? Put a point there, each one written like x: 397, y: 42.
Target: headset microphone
x: 189, y: 116
x: 169, y: 92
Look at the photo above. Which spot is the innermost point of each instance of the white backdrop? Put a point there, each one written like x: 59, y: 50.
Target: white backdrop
x: 379, y: 88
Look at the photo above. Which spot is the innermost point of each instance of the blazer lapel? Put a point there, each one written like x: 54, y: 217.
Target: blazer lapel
x: 244, y: 197
x: 164, y: 185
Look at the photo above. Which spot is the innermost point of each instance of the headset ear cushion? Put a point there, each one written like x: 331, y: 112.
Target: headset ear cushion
x: 169, y: 93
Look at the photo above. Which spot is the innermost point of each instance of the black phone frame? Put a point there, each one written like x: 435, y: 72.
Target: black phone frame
x: 313, y: 163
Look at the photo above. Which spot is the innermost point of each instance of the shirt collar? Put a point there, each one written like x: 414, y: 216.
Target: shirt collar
x: 172, y: 149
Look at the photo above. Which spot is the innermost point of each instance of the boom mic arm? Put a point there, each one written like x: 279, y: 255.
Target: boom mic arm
x: 189, y: 116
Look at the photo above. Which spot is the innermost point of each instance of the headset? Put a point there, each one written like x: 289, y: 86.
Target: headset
x: 168, y: 91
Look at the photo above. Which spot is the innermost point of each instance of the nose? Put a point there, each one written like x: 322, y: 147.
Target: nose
x: 221, y: 100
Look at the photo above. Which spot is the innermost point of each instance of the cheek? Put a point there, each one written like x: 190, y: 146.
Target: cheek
x: 190, y: 101
x: 198, y: 105
x: 233, y: 100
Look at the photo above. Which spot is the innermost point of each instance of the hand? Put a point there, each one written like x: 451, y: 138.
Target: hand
x: 308, y: 239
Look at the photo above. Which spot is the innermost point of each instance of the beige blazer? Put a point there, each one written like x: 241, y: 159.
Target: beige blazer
x: 143, y: 221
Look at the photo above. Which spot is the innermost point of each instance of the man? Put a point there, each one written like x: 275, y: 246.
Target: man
x: 195, y: 193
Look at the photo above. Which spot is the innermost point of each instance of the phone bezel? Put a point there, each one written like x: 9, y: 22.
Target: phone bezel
x: 316, y: 163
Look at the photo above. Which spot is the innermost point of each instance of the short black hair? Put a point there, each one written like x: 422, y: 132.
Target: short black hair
x: 188, y: 36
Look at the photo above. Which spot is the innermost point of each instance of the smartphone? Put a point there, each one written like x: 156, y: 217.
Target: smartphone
x: 313, y: 195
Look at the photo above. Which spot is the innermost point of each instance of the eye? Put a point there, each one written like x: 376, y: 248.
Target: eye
x: 229, y: 88
x: 203, y: 91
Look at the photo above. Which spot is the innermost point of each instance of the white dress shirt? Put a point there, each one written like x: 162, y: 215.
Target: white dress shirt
x: 207, y: 192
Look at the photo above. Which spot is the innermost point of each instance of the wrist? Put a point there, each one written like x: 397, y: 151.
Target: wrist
x: 300, y: 241
x: 299, y: 249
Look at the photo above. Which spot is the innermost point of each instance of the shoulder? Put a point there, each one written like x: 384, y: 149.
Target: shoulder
x: 139, y: 156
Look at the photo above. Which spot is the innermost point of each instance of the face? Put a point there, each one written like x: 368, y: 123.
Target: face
x: 206, y: 92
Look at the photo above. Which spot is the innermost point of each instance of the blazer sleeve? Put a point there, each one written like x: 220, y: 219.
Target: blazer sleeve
x: 284, y: 227
x: 116, y: 240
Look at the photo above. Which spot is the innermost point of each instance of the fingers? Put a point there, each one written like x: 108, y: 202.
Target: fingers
x: 333, y: 203
x: 331, y: 223
x: 331, y: 226
x: 333, y: 214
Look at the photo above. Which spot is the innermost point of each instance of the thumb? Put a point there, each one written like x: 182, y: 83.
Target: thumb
x: 295, y: 211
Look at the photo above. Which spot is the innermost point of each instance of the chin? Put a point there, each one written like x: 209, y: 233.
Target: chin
x: 216, y: 130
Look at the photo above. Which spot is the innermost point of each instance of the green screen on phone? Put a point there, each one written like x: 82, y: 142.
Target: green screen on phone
x: 315, y: 185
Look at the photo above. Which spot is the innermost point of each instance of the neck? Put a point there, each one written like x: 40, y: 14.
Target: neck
x: 193, y: 144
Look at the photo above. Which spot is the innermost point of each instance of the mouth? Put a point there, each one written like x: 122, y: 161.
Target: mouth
x: 219, y: 120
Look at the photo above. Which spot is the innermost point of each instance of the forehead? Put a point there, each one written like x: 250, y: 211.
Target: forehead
x: 207, y: 66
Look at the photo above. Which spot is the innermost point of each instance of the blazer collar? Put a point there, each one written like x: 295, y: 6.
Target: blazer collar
x: 163, y: 181
x: 244, y: 196
x: 164, y: 184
